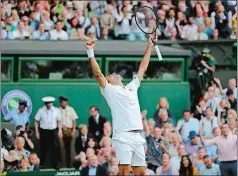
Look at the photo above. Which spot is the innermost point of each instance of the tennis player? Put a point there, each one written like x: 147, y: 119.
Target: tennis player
x: 125, y: 110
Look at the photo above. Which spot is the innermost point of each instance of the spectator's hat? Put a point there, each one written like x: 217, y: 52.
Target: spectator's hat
x: 69, y: 4
x: 23, y: 102
x: 11, y: 157
x: 63, y: 98
x: 48, y: 99
x: 206, y: 51
x: 192, y: 134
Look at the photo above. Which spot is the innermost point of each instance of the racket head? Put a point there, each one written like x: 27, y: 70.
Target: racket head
x: 146, y: 20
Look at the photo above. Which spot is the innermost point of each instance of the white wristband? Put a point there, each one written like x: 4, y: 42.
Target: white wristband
x: 90, y: 53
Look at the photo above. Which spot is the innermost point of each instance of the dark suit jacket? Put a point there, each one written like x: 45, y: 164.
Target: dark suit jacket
x: 79, y: 144
x: 93, y: 126
x: 36, y: 167
x: 100, y: 171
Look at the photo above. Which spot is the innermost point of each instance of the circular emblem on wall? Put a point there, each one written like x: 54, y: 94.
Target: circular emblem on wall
x: 11, y: 99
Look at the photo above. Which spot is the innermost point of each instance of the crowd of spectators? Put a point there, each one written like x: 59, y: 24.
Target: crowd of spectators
x: 202, y: 142
x: 114, y: 19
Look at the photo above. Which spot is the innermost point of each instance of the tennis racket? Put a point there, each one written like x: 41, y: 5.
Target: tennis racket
x: 147, y: 22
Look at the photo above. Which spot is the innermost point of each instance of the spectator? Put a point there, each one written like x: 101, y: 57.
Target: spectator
x: 49, y: 135
x: 176, y: 160
x: 79, y: 35
x: 221, y: 111
x: 212, y: 101
x: 123, y: 25
x: 227, y: 150
x: 63, y: 17
x: 186, y: 125
x: 24, y: 165
x: 104, y: 34
x: 97, y: 7
x: 3, y: 31
x: 232, y: 86
x: 107, y: 20
x: 19, y: 116
x: 215, y: 34
x: 194, y: 144
x: 180, y: 22
x: 93, y: 167
x: 22, y: 9
x: 91, y: 35
x: 199, y: 19
x: 94, y: 26
x: 198, y: 160
x: 175, y: 141
x: 68, y: 117
x: 208, y: 123
x: 15, y: 18
x: 20, y: 33
x: 34, y: 162
x: 209, y: 168
x: 231, y: 115
x: 7, y: 6
x: 189, y: 29
x: 11, y: 162
x: 162, y: 104
x: 107, y: 129
x: 215, y: 82
x: 56, y: 8
x: 186, y: 167
x: 231, y: 99
x: 38, y: 9
x: 41, y: 33
x: 92, y: 143
x: 173, y: 34
x: 74, y: 25
x: 208, y: 29
x: 28, y: 28
x: 49, y: 25
x: 184, y: 8
x: 9, y: 26
x: 83, y: 20
x: 33, y: 22
x: 166, y: 168
x: 199, y: 35
x: 19, y: 148
x: 200, y: 109
x: 80, y: 143
x: 161, y: 23
x: 95, y: 123
x: 21, y: 132
x: 156, y: 146
x: 58, y: 33
x: 163, y: 118
x: 70, y: 10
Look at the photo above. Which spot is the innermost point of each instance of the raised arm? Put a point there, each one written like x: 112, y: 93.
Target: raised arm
x: 145, y: 61
x: 95, y: 67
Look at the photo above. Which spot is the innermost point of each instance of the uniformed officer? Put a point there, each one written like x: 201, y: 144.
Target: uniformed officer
x: 69, y: 117
x: 19, y: 116
x: 48, y: 134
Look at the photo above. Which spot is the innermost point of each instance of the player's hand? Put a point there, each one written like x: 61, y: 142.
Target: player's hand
x: 150, y: 43
x: 90, y: 44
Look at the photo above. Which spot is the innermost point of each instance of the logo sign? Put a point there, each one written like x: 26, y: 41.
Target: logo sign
x: 11, y: 99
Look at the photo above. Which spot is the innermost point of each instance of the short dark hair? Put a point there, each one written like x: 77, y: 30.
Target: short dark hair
x: 209, y: 107
x: 206, y: 156
x: 95, y: 107
x: 229, y: 92
x: 186, y: 110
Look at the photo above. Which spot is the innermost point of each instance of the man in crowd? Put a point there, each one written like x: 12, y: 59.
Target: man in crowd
x: 58, y: 33
x: 232, y: 86
x: 163, y: 118
x: 68, y: 117
x: 50, y: 119
x: 176, y: 160
x: 209, y: 168
x: 95, y: 123
x: 19, y: 116
x: 192, y: 147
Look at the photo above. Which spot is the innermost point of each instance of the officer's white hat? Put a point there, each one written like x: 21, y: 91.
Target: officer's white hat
x: 48, y: 99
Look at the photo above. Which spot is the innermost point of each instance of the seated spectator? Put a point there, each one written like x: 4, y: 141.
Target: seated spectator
x: 104, y: 34
x: 91, y: 35
x: 107, y: 129
x: 83, y: 20
x: 221, y: 111
x: 162, y: 104
x: 34, y: 162
x: 180, y: 22
x: 208, y: 29
x: 200, y: 109
x: 20, y: 33
x: 231, y: 115
x: 3, y: 31
x: 41, y: 33
x: 232, y: 86
x: 22, y: 8
x: 24, y: 165
x: 186, y: 125
x: 33, y: 22
x: 58, y: 33
x: 211, y: 100
x: 161, y: 23
x: 215, y: 82
x: 175, y: 141
x: 92, y: 143
x: 80, y: 142
x: 215, y: 34
x: 15, y: 18
x: 74, y: 25
x: 79, y: 35
x: 163, y: 118
x: 70, y: 10
x: 19, y: 148
x: 11, y: 162
x: 199, y: 35
x: 189, y: 29
x: 151, y: 126
x: 198, y: 160
x: 194, y: 144
x: 173, y: 34
x: 209, y: 168
x: 93, y: 167
x: 63, y: 17
x: 232, y: 100
x: 123, y: 26
x: 186, y: 167
x: 176, y: 160
x: 156, y: 146
x: 199, y: 19
x: 166, y: 168
x: 21, y: 132
x: 4, y: 153
x: 9, y: 26
x: 49, y: 24
x: 28, y: 28
x: 208, y: 123
x: 107, y: 20
x: 106, y: 142
x: 93, y: 27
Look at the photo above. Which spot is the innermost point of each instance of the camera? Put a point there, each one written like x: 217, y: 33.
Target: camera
x: 160, y: 140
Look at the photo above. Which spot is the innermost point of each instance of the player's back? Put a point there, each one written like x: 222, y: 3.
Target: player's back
x: 124, y: 105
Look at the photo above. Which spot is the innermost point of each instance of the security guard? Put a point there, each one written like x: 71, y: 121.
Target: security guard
x: 48, y: 134
x: 69, y: 117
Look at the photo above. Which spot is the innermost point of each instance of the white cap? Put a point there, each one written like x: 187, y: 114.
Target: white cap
x: 69, y: 4
x: 48, y: 99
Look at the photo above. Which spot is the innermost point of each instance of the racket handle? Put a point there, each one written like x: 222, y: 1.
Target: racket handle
x: 158, y: 53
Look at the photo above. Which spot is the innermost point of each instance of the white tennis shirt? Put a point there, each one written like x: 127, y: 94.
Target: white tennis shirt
x: 124, y: 105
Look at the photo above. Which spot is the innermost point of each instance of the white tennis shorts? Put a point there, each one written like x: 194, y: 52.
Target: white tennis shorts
x: 129, y: 148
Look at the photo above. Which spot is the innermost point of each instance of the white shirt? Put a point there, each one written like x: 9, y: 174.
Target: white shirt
x: 4, y: 153
x: 48, y: 118
x: 124, y: 27
x: 175, y: 162
x: 97, y: 119
x: 208, y: 126
x: 213, y: 103
x: 186, y: 126
x: 68, y: 115
x: 234, y: 92
x: 55, y: 35
x: 17, y: 34
x: 124, y: 105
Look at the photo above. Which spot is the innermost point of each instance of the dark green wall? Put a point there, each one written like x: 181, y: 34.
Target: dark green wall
x: 83, y: 95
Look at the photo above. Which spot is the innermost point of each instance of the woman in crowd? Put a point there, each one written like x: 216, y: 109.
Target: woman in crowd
x: 208, y: 27
x: 163, y: 104
x: 174, y: 143
x: 24, y: 165
x: 198, y: 160
x: 166, y: 168
x: 186, y: 167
